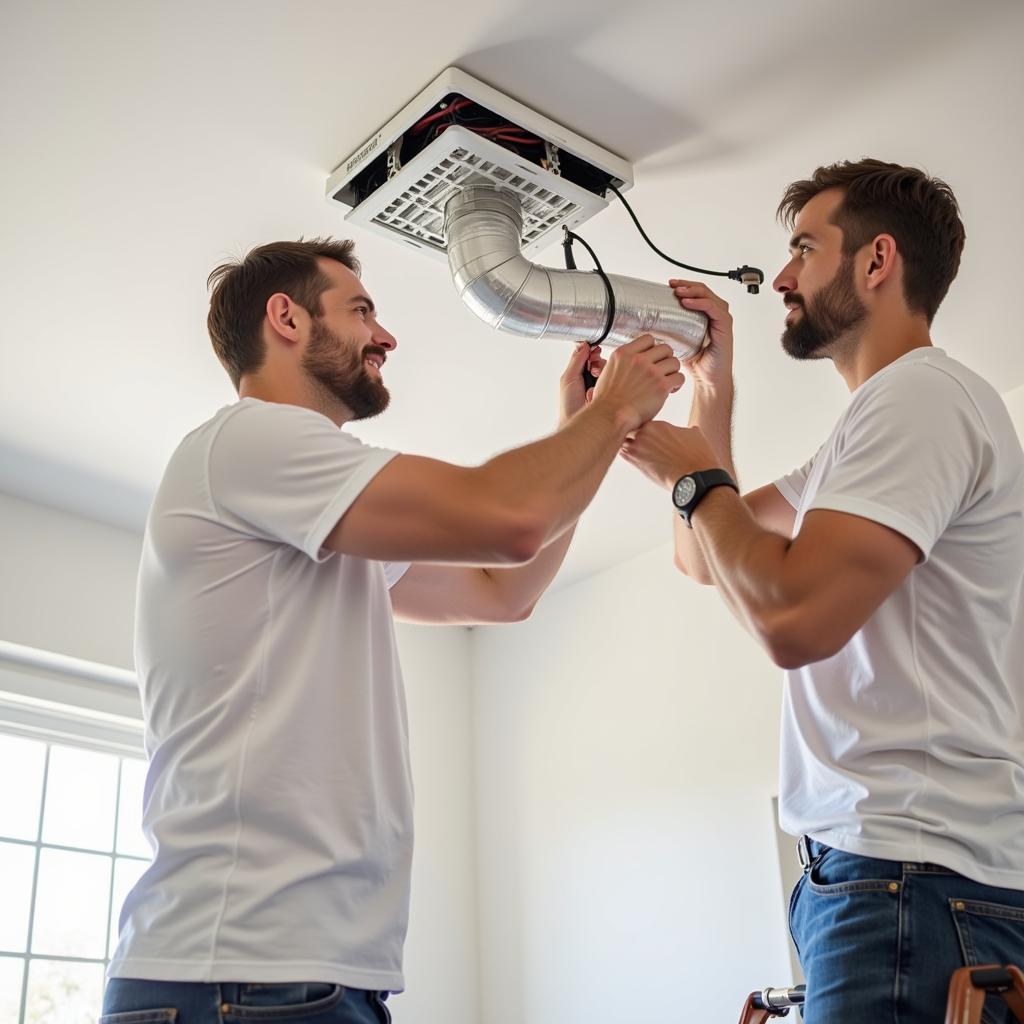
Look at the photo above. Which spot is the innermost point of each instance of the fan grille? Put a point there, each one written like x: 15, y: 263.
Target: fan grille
x: 412, y: 203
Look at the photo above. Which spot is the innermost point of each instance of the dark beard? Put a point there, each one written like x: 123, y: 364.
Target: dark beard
x: 337, y: 366
x: 833, y: 312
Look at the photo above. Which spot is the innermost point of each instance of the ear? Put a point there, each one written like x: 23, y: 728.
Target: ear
x: 881, y: 261
x: 284, y: 317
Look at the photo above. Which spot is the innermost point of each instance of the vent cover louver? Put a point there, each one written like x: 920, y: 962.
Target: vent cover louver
x: 412, y: 203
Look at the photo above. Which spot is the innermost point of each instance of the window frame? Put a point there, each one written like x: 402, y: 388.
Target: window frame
x: 61, y: 701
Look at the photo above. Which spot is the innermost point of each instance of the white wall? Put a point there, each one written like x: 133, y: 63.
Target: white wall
x: 441, y: 954
x: 626, y: 748
x: 68, y: 585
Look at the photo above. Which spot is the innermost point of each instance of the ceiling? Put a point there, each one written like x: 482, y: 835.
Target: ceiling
x: 144, y: 143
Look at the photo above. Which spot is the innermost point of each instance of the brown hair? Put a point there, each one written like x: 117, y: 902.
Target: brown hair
x: 920, y: 213
x: 241, y: 289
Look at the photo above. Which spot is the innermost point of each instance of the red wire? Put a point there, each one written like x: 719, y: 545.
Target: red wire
x: 457, y: 105
x: 502, y: 134
x: 503, y: 131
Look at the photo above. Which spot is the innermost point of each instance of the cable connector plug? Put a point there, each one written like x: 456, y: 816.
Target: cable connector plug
x: 750, y: 276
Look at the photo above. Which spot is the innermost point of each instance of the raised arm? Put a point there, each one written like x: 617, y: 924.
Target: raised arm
x: 516, y: 505
x: 803, y: 598
x: 711, y: 412
x: 468, y: 595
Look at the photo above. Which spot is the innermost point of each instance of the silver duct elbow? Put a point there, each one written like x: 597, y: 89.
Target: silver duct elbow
x: 483, y: 226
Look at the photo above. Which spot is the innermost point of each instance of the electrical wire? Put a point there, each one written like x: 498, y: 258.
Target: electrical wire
x: 570, y: 264
x: 501, y: 133
x: 570, y: 237
x: 451, y: 109
x: 589, y: 380
x: 465, y: 112
x: 750, y: 276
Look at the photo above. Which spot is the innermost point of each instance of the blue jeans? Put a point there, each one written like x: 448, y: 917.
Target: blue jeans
x: 131, y: 1001
x: 879, y: 939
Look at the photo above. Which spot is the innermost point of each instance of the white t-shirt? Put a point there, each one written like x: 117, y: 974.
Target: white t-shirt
x: 279, y: 799
x: 908, y: 744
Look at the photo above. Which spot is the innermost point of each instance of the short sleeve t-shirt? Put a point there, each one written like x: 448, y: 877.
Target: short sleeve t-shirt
x: 908, y: 744
x: 278, y: 799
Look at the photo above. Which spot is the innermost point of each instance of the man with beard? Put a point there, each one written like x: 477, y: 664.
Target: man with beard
x: 279, y: 799
x: 885, y: 577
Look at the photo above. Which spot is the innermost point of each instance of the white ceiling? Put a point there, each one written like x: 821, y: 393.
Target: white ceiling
x: 144, y: 142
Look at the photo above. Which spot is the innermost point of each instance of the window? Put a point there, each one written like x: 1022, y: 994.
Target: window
x: 71, y: 848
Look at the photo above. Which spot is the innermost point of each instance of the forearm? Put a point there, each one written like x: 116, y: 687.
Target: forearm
x: 712, y: 412
x: 745, y: 562
x: 469, y: 596
x: 520, y: 586
x: 553, y: 480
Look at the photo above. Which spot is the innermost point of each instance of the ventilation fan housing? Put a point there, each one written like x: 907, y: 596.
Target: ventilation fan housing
x: 398, y: 181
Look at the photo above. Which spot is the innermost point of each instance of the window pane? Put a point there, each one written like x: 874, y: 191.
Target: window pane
x: 71, y: 904
x: 16, y: 866
x: 19, y: 805
x: 129, y: 816
x: 126, y: 874
x: 80, y: 795
x: 10, y: 989
x: 62, y: 993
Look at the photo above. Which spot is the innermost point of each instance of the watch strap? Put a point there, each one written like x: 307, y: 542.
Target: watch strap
x: 706, y: 480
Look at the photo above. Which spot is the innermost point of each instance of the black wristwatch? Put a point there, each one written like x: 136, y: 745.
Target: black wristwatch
x: 689, y: 490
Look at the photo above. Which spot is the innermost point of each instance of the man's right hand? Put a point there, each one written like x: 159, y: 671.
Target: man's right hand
x: 637, y: 379
x: 712, y: 367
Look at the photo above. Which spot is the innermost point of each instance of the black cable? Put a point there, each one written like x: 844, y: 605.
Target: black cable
x: 573, y: 237
x: 589, y: 380
x: 750, y: 276
x: 570, y: 260
x: 599, y: 270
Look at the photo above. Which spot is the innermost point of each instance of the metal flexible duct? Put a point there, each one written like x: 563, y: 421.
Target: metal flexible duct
x: 484, y: 226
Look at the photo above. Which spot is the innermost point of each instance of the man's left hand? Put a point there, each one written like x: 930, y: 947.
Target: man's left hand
x: 664, y: 452
x: 572, y: 393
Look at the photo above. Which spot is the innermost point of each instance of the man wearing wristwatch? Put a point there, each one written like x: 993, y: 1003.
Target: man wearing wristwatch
x: 885, y: 577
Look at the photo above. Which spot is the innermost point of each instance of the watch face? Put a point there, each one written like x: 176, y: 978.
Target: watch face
x: 684, y: 491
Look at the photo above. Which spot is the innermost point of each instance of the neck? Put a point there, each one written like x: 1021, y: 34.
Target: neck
x: 877, y: 346
x: 303, y: 392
